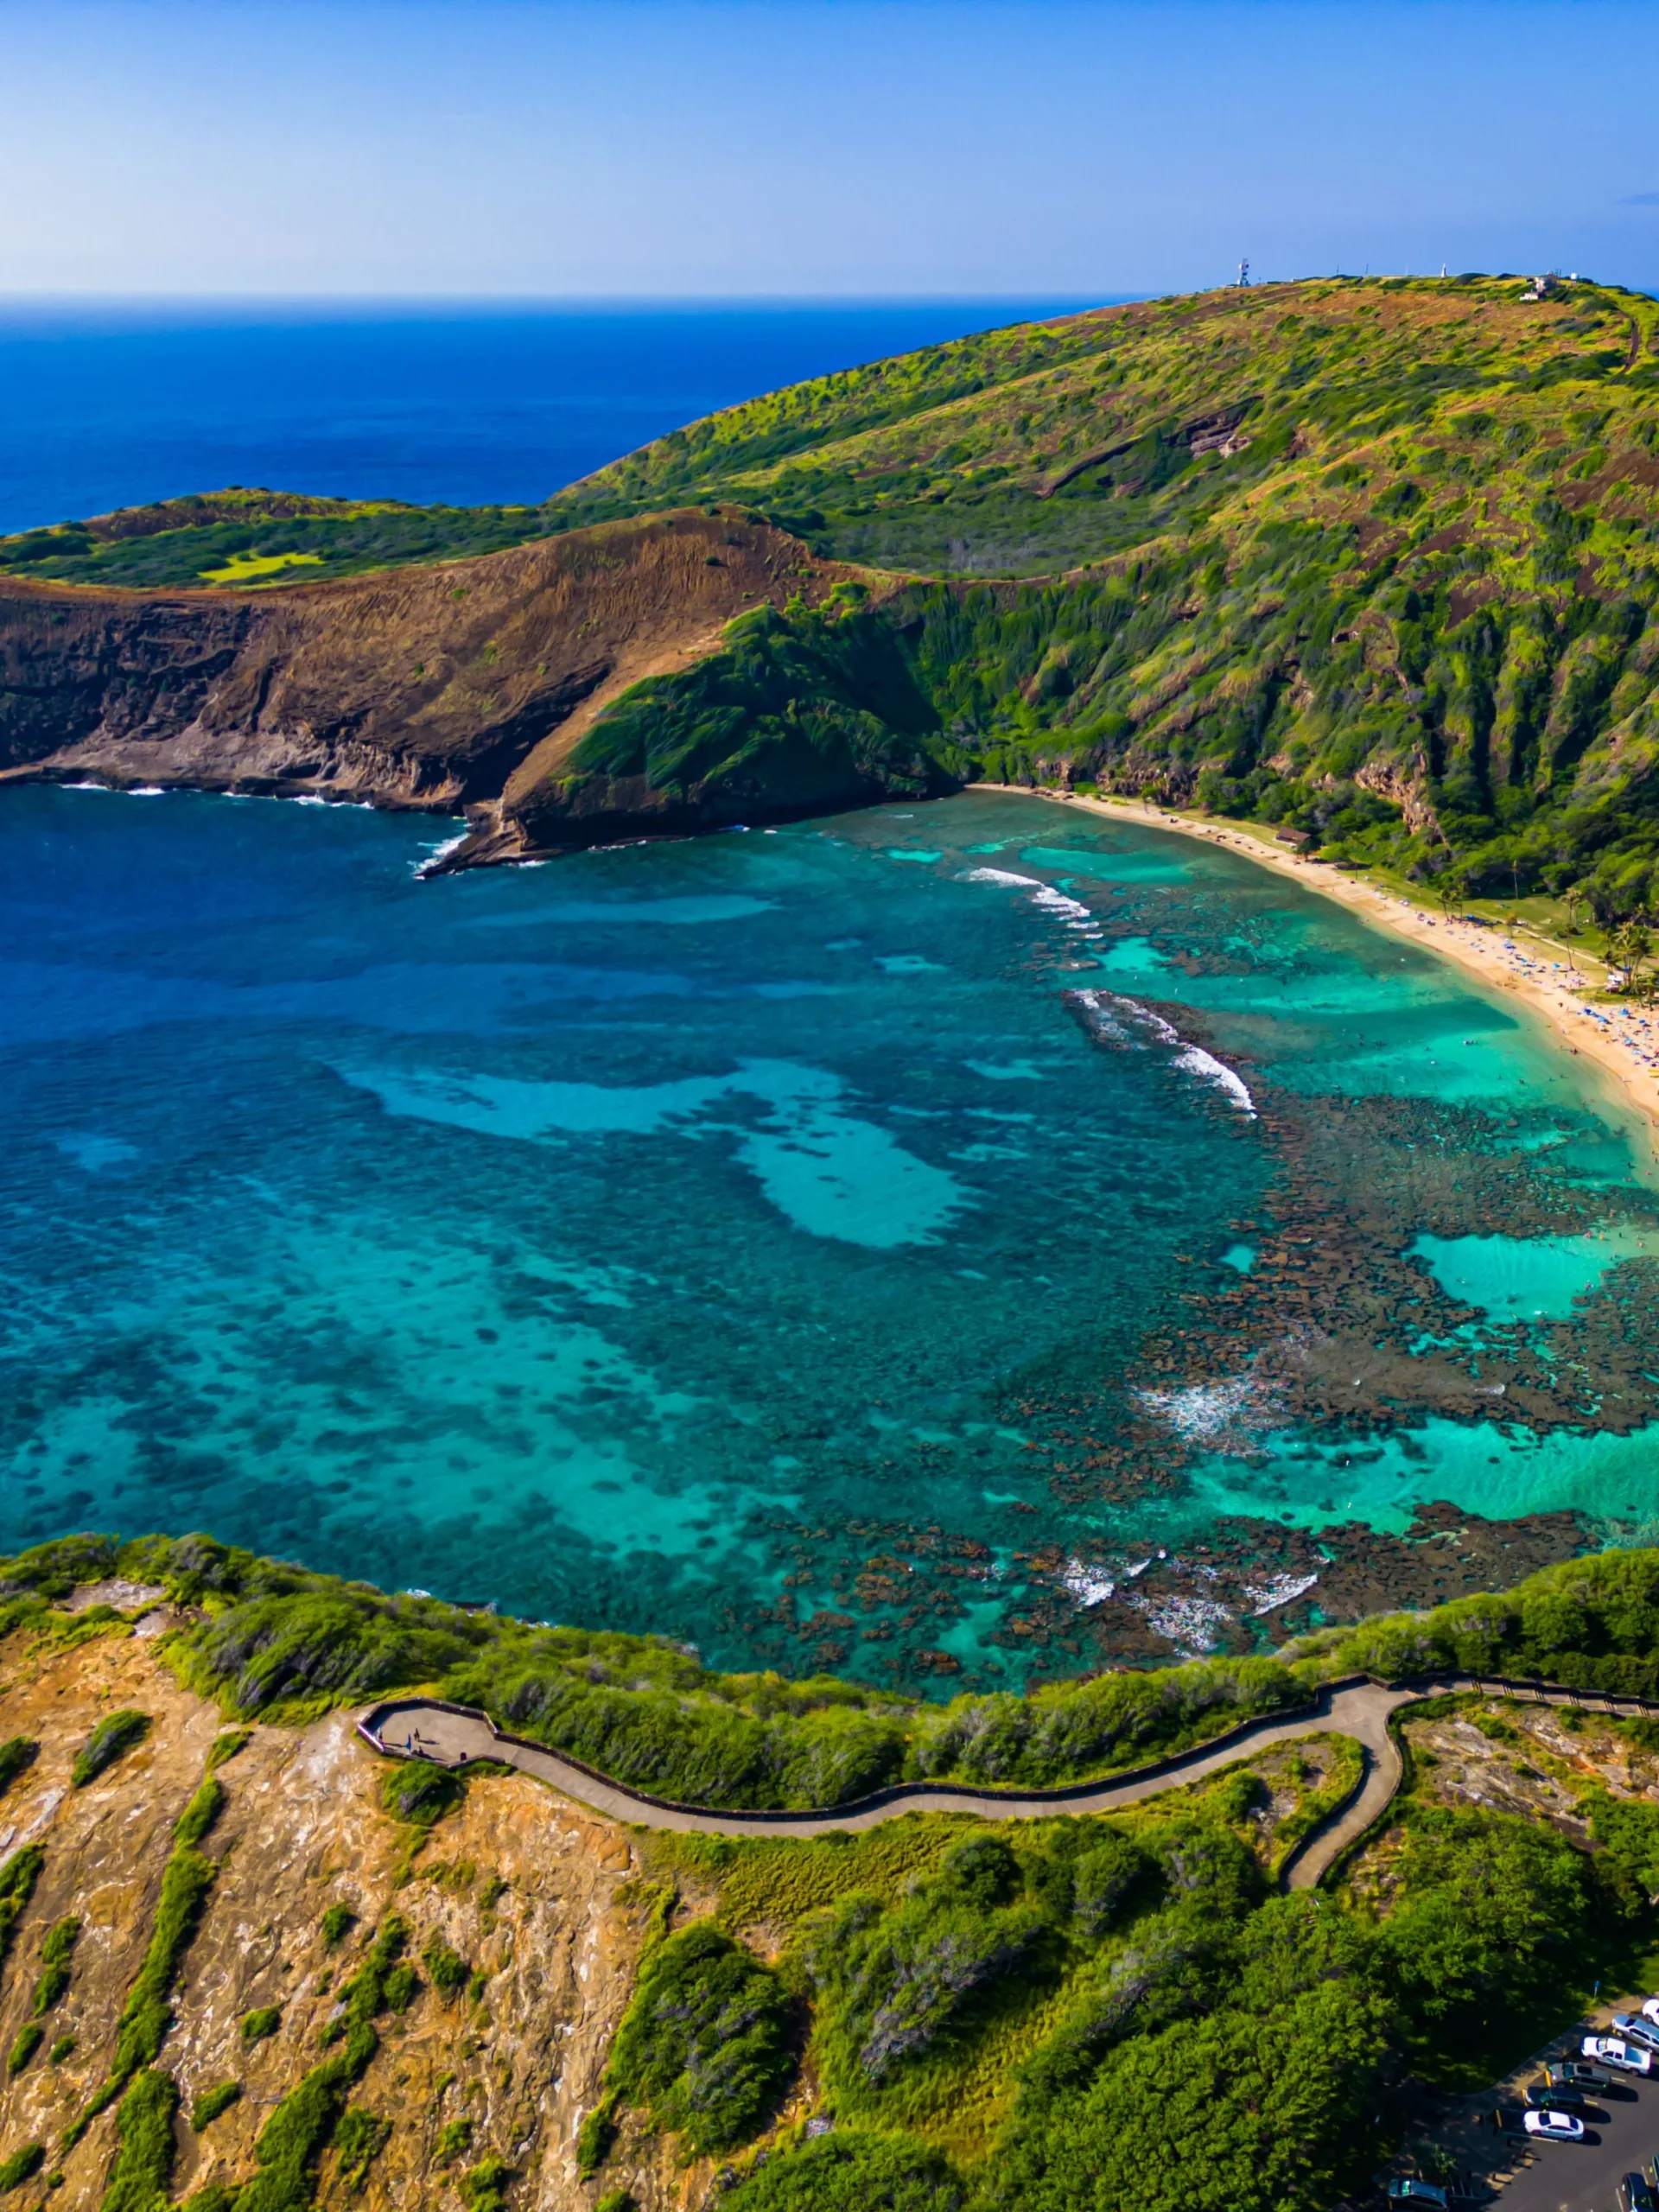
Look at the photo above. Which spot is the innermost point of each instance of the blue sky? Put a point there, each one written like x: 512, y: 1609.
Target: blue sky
x: 810, y: 147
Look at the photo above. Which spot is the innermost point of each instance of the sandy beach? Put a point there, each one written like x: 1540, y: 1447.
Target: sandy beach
x: 1621, y: 1042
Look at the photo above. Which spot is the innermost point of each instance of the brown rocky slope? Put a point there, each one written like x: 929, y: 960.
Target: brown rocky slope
x: 532, y: 1893
x: 437, y: 686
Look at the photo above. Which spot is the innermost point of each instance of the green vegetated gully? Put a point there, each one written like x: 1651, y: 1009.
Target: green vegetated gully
x: 944, y: 2014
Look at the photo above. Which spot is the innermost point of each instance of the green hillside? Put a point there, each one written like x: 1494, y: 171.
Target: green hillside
x: 1375, y: 559
x: 246, y: 536
x: 1076, y: 2013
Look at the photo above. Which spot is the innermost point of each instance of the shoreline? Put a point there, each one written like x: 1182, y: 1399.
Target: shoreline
x: 1628, y: 1062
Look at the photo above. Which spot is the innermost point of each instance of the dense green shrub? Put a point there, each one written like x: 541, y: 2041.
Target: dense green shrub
x: 1205, y: 1862
x: 1268, y: 2111
x: 319, y: 1638
x: 199, y: 1815
x: 706, y: 2042
x: 1592, y: 1624
x: 29, y: 2040
x: 1078, y: 1728
x: 148, y: 2013
x: 449, y: 1970
x: 338, y: 1921
x: 892, y: 1985
x: 1627, y: 1828
x: 21, y: 2167
x: 402, y: 1985
x: 225, y: 1746
x: 209, y: 2105
x: 17, y: 1754
x: 17, y: 1879
x: 301, y: 2129
x: 484, y: 2187
x: 785, y: 698
x: 851, y: 2170
x: 596, y: 2134
x: 672, y: 1728
x: 52, y: 1571
x: 263, y: 2022
x: 1103, y: 1876
x: 1489, y: 1908
x: 358, y: 2140
x: 454, y: 2141
x: 416, y: 1791
x: 144, y: 2164
x: 56, y: 1954
x: 116, y: 1733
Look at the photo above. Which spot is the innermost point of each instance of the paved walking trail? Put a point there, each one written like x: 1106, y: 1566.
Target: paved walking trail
x: 1359, y: 1707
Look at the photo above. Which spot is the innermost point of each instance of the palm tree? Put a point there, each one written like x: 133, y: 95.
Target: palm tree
x: 1451, y: 889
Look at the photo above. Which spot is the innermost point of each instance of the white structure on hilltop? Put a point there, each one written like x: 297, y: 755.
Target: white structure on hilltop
x: 1244, y: 272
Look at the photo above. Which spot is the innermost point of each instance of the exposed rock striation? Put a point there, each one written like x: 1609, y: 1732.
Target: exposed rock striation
x: 428, y: 687
x: 527, y: 1889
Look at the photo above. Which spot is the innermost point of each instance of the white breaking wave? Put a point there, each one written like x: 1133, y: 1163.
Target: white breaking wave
x: 1056, y: 902
x: 1203, y: 1409
x: 1278, y: 1591
x: 1193, y: 1057
x: 1114, y: 1018
x: 1087, y: 1584
x: 437, y: 853
x: 1210, y: 1069
x: 1100, y: 1020
x: 1193, y: 1625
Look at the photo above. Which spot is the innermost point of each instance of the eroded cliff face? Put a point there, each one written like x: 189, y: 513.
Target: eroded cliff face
x: 426, y: 687
x: 530, y: 1891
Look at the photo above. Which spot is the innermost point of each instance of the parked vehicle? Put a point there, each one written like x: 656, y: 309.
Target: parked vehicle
x: 1552, y: 2126
x: 1573, y: 2074
x: 1410, y: 2191
x: 1635, y: 2195
x: 1613, y: 2050
x: 1634, y: 2029
x: 1548, y: 2096
x: 1651, y: 2008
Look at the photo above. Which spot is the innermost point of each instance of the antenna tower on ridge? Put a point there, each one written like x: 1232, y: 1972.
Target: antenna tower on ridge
x: 1244, y: 272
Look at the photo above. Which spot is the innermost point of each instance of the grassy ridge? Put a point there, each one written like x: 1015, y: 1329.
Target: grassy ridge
x: 216, y: 536
x: 1373, y: 559
x: 278, y: 1641
x: 1073, y: 2012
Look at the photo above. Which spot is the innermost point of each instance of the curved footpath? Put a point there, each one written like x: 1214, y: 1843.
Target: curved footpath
x: 1360, y: 1708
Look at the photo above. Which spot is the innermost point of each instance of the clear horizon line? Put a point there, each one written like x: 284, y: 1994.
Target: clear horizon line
x: 546, y: 299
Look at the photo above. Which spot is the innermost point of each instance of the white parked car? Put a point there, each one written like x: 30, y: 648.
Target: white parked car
x: 1651, y: 2010
x: 1613, y: 2050
x: 1554, y: 2127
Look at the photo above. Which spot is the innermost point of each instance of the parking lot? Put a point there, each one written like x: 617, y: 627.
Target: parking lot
x: 1622, y: 2134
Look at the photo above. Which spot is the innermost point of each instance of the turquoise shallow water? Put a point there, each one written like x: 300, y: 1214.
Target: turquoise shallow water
x: 823, y: 1244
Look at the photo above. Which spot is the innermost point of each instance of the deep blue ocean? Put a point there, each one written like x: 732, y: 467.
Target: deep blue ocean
x: 107, y: 406
x: 947, y: 1244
